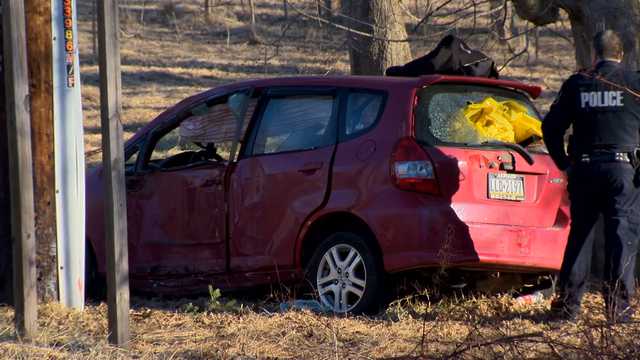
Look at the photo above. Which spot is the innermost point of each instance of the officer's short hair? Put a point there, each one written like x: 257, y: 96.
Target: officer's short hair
x: 607, y: 45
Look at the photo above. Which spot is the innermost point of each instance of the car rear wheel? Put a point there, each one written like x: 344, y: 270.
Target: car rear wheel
x: 346, y: 274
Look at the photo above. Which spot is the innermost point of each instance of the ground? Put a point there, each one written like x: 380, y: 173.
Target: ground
x: 467, y: 327
x: 170, y: 51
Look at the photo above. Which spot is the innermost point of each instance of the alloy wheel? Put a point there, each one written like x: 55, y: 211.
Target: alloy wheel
x: 341, y: 278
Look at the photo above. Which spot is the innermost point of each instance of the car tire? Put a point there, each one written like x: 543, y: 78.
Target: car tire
x: 346, y: 274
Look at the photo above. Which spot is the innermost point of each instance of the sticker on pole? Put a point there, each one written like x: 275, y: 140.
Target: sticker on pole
x: 67, y: 13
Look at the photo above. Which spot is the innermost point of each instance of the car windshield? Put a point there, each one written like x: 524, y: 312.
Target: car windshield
x: 462, y: 114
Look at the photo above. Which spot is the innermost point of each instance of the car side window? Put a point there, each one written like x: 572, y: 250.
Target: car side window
x: 200, y: 135
x: 170, y: 145
x: 362, y: 111
x: 294, y: 123
x: 131, y: 161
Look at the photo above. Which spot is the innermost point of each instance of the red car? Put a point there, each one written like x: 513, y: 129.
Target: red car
x: 339, y: 180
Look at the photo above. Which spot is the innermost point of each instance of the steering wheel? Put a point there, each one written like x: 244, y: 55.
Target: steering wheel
x: 181, y: 159
x: 209, y: 151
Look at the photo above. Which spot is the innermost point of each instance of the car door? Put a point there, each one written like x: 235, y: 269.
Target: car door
x: 282, y: 176
x: 176, y: 198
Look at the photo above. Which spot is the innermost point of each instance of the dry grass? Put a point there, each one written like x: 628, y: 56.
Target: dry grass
x: 476, y: 327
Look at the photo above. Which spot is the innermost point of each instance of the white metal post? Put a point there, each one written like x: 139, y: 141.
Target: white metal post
x: 69, y: 154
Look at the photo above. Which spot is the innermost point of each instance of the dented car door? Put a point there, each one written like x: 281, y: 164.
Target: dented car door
x: 282, y: 176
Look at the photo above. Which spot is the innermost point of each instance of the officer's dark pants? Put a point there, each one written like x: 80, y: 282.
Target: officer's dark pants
x: 605, y: 188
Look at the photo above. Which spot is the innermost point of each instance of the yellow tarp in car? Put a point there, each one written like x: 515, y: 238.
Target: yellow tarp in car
x: 507, y: 121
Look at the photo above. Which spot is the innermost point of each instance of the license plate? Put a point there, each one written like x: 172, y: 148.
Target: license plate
x: 506, y: 187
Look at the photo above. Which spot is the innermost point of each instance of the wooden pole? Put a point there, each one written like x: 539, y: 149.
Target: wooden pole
x: 39, y: 48
x: 20, y: 167
x: 113, y: 162
x: 94, y: 29
x: 6, y: 264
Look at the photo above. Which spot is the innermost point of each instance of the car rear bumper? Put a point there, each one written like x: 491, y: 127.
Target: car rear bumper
x: 490, y: 247
x: 524, y: 248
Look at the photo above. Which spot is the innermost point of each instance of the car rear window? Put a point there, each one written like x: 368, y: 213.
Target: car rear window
x: 442, y: 114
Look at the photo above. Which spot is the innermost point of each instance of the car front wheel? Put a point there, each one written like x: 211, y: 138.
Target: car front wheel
x: 346, y: 274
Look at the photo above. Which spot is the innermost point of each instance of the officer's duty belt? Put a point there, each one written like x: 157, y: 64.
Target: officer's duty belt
x: 605, y: 157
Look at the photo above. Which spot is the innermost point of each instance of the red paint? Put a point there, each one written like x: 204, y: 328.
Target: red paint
x: 271, y: 196
x: 177, y: 220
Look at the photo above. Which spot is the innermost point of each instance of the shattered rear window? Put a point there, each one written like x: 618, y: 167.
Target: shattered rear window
x: 442, y: 114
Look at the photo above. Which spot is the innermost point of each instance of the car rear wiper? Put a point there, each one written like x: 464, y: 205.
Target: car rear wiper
x: 515, y: 147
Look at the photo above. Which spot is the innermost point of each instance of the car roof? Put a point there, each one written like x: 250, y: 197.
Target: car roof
x: 368, y: 82
x: 385, y: 82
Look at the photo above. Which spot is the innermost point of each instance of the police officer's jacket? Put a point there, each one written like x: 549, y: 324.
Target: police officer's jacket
x: 605, y: 116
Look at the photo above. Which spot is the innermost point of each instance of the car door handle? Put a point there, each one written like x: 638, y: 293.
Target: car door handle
x: 311, y: 167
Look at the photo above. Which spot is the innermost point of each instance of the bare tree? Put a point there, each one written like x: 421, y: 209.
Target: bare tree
x: 587, y: 18
x: 500, y: 18
x: 208, y: 8
x: 253, y: 33
x: 285, y: 9
x: 330, y: 7
x: 371, y: 55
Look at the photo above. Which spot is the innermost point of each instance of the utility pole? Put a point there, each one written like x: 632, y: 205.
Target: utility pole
x: 38, y: 20
x: 115, y: 207
x: 6, y: 264
x: 20, y: 166
x: 69, y: 154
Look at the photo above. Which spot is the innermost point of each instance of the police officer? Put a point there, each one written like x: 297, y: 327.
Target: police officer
x: 604, y: 109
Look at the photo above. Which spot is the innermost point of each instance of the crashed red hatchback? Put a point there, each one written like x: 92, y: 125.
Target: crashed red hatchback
x: 339, y: 180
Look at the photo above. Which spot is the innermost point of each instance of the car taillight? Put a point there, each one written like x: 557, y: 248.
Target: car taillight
x: 412, y: 169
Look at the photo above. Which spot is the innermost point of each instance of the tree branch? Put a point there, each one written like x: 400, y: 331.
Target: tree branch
x: 537, y: 11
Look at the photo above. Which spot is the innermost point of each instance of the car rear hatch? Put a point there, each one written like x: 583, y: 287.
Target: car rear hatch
x: 487, y: 179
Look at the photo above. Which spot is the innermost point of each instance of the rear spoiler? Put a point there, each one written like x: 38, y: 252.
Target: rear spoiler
x: 533, y: 90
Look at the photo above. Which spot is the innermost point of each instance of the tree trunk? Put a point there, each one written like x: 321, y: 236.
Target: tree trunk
x: 253, y: 33
x: 208, y: 9
x: 285, y: 9
x: 330, y: 8
x: 373, y: 55
x: 587, y: 18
